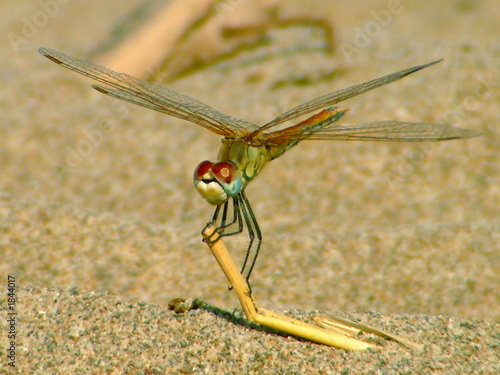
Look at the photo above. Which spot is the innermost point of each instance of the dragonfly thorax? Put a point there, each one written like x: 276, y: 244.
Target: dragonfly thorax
x: 217, y: 182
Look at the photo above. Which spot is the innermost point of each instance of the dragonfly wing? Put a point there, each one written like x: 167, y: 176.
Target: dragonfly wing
x: 341, y: 95
x: 237, y: 125
x: 381, y: 131
x: 151, y: 95
x: 124, y: 95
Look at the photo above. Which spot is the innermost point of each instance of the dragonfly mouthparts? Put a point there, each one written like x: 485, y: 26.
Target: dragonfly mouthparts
x: 216, y: 182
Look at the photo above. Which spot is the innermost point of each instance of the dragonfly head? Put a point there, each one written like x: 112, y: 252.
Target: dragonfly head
x: 217, y: 182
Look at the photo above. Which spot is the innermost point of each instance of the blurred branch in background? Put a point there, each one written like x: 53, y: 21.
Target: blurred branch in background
x: 171, y: 40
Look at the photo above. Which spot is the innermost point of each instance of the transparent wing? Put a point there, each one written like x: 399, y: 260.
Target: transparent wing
x: 340, y: 95
x: 153, y: 96
x: 378, y: 131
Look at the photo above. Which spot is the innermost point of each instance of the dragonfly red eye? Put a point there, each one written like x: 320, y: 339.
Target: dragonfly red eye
x: 202, y: 168
x: 224, y: 172
x: 228, y: 176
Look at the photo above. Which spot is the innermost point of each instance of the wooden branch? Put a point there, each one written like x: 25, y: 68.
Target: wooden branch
x: 141, y: 53
x: 269, y: 318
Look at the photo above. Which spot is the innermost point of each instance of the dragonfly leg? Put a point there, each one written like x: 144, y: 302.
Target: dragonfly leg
x: 236, y: 218
x: 243, y: 215
x: 254, y: 233
x: 223, y: 225
x: 213, y: 222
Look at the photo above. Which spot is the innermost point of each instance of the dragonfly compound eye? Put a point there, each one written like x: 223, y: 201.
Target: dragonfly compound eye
x: 216, y: 182
x: 202, y: 171
x: 228, y: 176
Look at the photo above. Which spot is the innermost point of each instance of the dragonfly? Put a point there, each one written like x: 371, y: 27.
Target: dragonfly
x: 246, y: 148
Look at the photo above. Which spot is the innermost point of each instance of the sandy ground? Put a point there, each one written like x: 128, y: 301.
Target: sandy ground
x: 401, y: 236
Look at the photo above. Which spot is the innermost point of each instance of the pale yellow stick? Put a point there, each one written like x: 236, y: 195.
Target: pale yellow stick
x: 333, y: 322
x: 141, y: 53
x: 233, y: 275
x: 269, y: 318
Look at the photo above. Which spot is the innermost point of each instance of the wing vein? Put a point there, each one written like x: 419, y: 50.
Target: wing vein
x: 341, y: 95
x: 151, y: 95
